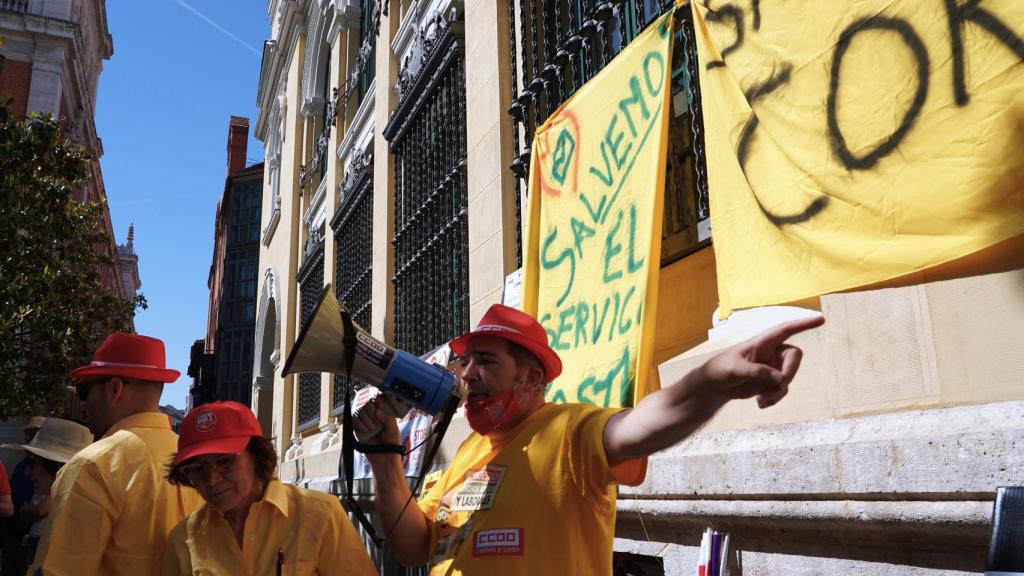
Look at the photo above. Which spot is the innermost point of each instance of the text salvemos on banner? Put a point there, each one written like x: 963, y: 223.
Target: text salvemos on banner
x: 593, y: 228
x: 852, y: 142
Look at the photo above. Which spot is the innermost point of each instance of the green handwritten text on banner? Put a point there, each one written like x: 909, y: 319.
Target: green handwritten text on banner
x: 593, y: 236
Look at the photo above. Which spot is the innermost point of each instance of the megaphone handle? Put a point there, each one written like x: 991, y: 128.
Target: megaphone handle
x: 439, y: 431
x: 391, y: 407
x: 368, y: 435
x: 346, y: 468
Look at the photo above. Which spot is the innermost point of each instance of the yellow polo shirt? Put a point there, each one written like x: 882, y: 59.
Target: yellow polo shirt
x: 309, y: 528
x: 538, y: 499
x: 112, y: 506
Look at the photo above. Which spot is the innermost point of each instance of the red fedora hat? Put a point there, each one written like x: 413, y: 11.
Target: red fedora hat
x: 129, y: 356
x: 515, y: 326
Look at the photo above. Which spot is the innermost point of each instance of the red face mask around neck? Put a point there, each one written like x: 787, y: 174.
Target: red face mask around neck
x: 493, y: 412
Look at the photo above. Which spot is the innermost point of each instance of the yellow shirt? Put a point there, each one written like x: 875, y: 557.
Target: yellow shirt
x: 310, y: 528
x: 112, y: 506
x: 538, y: 499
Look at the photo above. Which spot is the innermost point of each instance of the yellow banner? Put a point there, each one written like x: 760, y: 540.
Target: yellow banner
x: 851, y: 142
x: 593, y: 233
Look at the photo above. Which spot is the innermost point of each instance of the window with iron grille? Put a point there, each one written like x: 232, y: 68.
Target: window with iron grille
x: 557, y: 46
x: 369, y: 20
x: 353, y: 237
x: 234, y: 356
x: 427, y: 136
x: 311, y: 284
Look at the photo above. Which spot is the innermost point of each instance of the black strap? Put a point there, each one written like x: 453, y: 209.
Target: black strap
x: 439, y: 432
x: 349, y: 444
x: 347, y: 463
x: 350, y: 343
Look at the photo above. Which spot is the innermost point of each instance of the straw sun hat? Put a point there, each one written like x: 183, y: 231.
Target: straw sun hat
x: 34, y: 423
x: 57, y: 440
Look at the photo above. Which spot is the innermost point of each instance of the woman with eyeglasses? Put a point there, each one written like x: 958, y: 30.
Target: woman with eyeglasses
x: 252, y: 523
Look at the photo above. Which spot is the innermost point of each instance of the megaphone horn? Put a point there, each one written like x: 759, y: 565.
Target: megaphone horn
x: 317, y: 347
x: 331, y: 342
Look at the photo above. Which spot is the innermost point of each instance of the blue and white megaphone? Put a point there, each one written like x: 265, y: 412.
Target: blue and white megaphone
x: 332, y: 342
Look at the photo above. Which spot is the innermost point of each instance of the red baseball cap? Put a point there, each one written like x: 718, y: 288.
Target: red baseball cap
x: 130, y: 356
x: 515, y: 326
x: 216, y: 428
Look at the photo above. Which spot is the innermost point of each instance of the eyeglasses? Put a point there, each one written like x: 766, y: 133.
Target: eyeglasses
x: 196, y: 472
x: 82, y: 389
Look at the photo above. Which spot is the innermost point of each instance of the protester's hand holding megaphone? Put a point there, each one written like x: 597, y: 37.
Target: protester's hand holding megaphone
x: 375, y: 415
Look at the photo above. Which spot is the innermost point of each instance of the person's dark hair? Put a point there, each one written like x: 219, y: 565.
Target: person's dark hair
x: 524, y: 357
x: 263, y: 455
x: 51, y: 466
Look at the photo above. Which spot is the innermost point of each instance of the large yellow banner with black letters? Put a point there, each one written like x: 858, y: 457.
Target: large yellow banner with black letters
x: 851, y: 142
x: 592, y: 241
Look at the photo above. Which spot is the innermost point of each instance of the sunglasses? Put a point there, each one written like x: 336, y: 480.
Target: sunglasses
x: 196, y: 472
x: 82, y: 389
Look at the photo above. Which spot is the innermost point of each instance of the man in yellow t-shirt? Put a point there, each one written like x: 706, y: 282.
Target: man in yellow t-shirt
x: 532, y: 490
x: 112, y: 508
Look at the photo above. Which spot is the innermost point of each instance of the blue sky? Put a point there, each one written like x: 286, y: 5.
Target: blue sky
x: 180, y: 69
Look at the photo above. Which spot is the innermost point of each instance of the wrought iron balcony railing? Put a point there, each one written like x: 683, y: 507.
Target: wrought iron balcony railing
x: 559, y: 45
x: 14, y: 6
x: 354, y: 86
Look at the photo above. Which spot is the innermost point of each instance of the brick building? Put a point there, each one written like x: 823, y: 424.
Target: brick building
x: 222, y: 367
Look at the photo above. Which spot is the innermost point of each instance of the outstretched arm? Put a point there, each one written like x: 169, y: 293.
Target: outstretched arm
x: 762, y: 366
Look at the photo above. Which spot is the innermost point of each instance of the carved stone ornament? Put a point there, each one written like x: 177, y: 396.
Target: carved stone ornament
x: 423, y: 45
x: 313, y: 242
x: 360, y: 160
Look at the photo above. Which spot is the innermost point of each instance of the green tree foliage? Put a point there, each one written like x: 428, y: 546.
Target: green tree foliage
x: 54, y: 309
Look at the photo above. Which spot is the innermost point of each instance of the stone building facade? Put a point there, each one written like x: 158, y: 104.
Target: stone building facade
x: 396, y: 138
x: 54, y: 52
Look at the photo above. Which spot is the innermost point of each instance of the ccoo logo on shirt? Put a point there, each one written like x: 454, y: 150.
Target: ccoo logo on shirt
x: 498, y: 542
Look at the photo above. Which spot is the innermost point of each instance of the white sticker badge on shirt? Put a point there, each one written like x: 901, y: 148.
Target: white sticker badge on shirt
x: 498, y: 542
x: 478, y: 489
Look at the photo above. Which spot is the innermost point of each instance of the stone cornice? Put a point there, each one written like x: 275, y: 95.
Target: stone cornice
x: 874, y: 457
x: 316, y: 213
x: 346, y: 15
x: 363, y: 118
x: 59, y: 46
x: 440, y: 45
x: 272, y: 76
x: 407, y: 29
